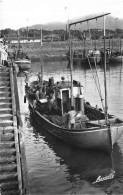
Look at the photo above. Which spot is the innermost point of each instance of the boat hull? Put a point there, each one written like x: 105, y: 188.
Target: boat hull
x: 91, y: 132
x: 23, y: 64
x: 86, y: 61
x: 101, y: 139
x: 95, y: 60
x: 116, y: 59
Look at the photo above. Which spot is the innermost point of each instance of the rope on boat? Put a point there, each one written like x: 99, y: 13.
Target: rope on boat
x: 97, y: 30
x: 1, y: 192
x: 95, y: 76
x: 97, y: 84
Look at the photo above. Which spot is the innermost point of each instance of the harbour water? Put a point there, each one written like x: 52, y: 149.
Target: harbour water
x: 57, y: 168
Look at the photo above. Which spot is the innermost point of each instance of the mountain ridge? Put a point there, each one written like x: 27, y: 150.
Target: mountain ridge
x: 111, y: 23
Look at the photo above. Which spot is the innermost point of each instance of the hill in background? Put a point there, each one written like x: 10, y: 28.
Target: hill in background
x: 111, y: 24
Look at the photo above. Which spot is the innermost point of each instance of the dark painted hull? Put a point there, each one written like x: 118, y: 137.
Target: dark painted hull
x: 91, y: 138
x: 85, y: 61
x: 94, y: 135
x: 95, y: 60
x: 78, y: 60
x: 116, y: 59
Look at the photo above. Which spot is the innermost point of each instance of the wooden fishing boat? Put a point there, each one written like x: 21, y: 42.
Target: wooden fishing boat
x: 115, y: 54
x: 94, y: 57
x: 91, y: 131
x: 78, y: 58
x: 114, y: 59
x: 85, y: 60
x: 21, y: 58
x: 23, y: 64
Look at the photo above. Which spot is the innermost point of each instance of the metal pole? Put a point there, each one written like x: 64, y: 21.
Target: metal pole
x: 18, y: 40
x: 116, y: 27
x: 105, y: 83
x: 41, y: 59
x: 27, y: 29
x: 71, y: 63
x: 109, y: 41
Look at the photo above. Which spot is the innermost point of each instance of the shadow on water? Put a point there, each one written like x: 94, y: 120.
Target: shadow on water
x: 84, y: 164
x: 79, y: 65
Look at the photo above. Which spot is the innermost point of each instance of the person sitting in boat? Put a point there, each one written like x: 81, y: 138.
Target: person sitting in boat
x: 35, y: 96
x: 99, y: 109
x: 71, y: 118
x: 51, y: 99
x: 34, y: 100
x: 39, y: 78
x: 44, y: 90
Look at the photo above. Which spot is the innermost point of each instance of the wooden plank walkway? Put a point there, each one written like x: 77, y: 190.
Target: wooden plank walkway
x: 13, y: 172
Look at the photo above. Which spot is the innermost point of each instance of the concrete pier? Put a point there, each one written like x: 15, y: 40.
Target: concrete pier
x: 13, y: 171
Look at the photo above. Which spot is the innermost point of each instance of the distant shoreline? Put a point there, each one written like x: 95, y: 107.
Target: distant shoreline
x: 57, y: 50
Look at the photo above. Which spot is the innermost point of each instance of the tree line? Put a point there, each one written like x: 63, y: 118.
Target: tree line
x: 25, y: 33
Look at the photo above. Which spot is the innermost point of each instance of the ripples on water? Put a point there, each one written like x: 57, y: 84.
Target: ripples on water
x: 57, y: 168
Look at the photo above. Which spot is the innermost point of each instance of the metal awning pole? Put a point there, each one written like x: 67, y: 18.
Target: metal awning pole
x: 86, y: 20
x: 105, y: 83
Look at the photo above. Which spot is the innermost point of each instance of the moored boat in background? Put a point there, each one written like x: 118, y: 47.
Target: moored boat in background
x: 85, y: 58
x: 23, y: 64
x: 21, y: 59
x: 115, y: 57
x: 94, y: 57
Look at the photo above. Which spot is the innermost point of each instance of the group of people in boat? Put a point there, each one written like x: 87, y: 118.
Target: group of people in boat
x: 42, y: 91
x: 19, y: 54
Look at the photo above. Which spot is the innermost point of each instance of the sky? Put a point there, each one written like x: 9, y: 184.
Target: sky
x: 22, y: 13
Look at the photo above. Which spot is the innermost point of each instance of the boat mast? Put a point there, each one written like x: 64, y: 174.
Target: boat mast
x: 109, y: 40
x: 120, y: 46
x: 41, y: 57
x: 71, y: 62
x: 71, y: 57
x: 18, y: 40
x: 105, y: 83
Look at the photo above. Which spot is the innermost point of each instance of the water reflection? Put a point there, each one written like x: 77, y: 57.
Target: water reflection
x: 81, y: 164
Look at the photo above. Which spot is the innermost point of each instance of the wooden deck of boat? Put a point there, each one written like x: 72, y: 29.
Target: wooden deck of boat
x: 13, y: 172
